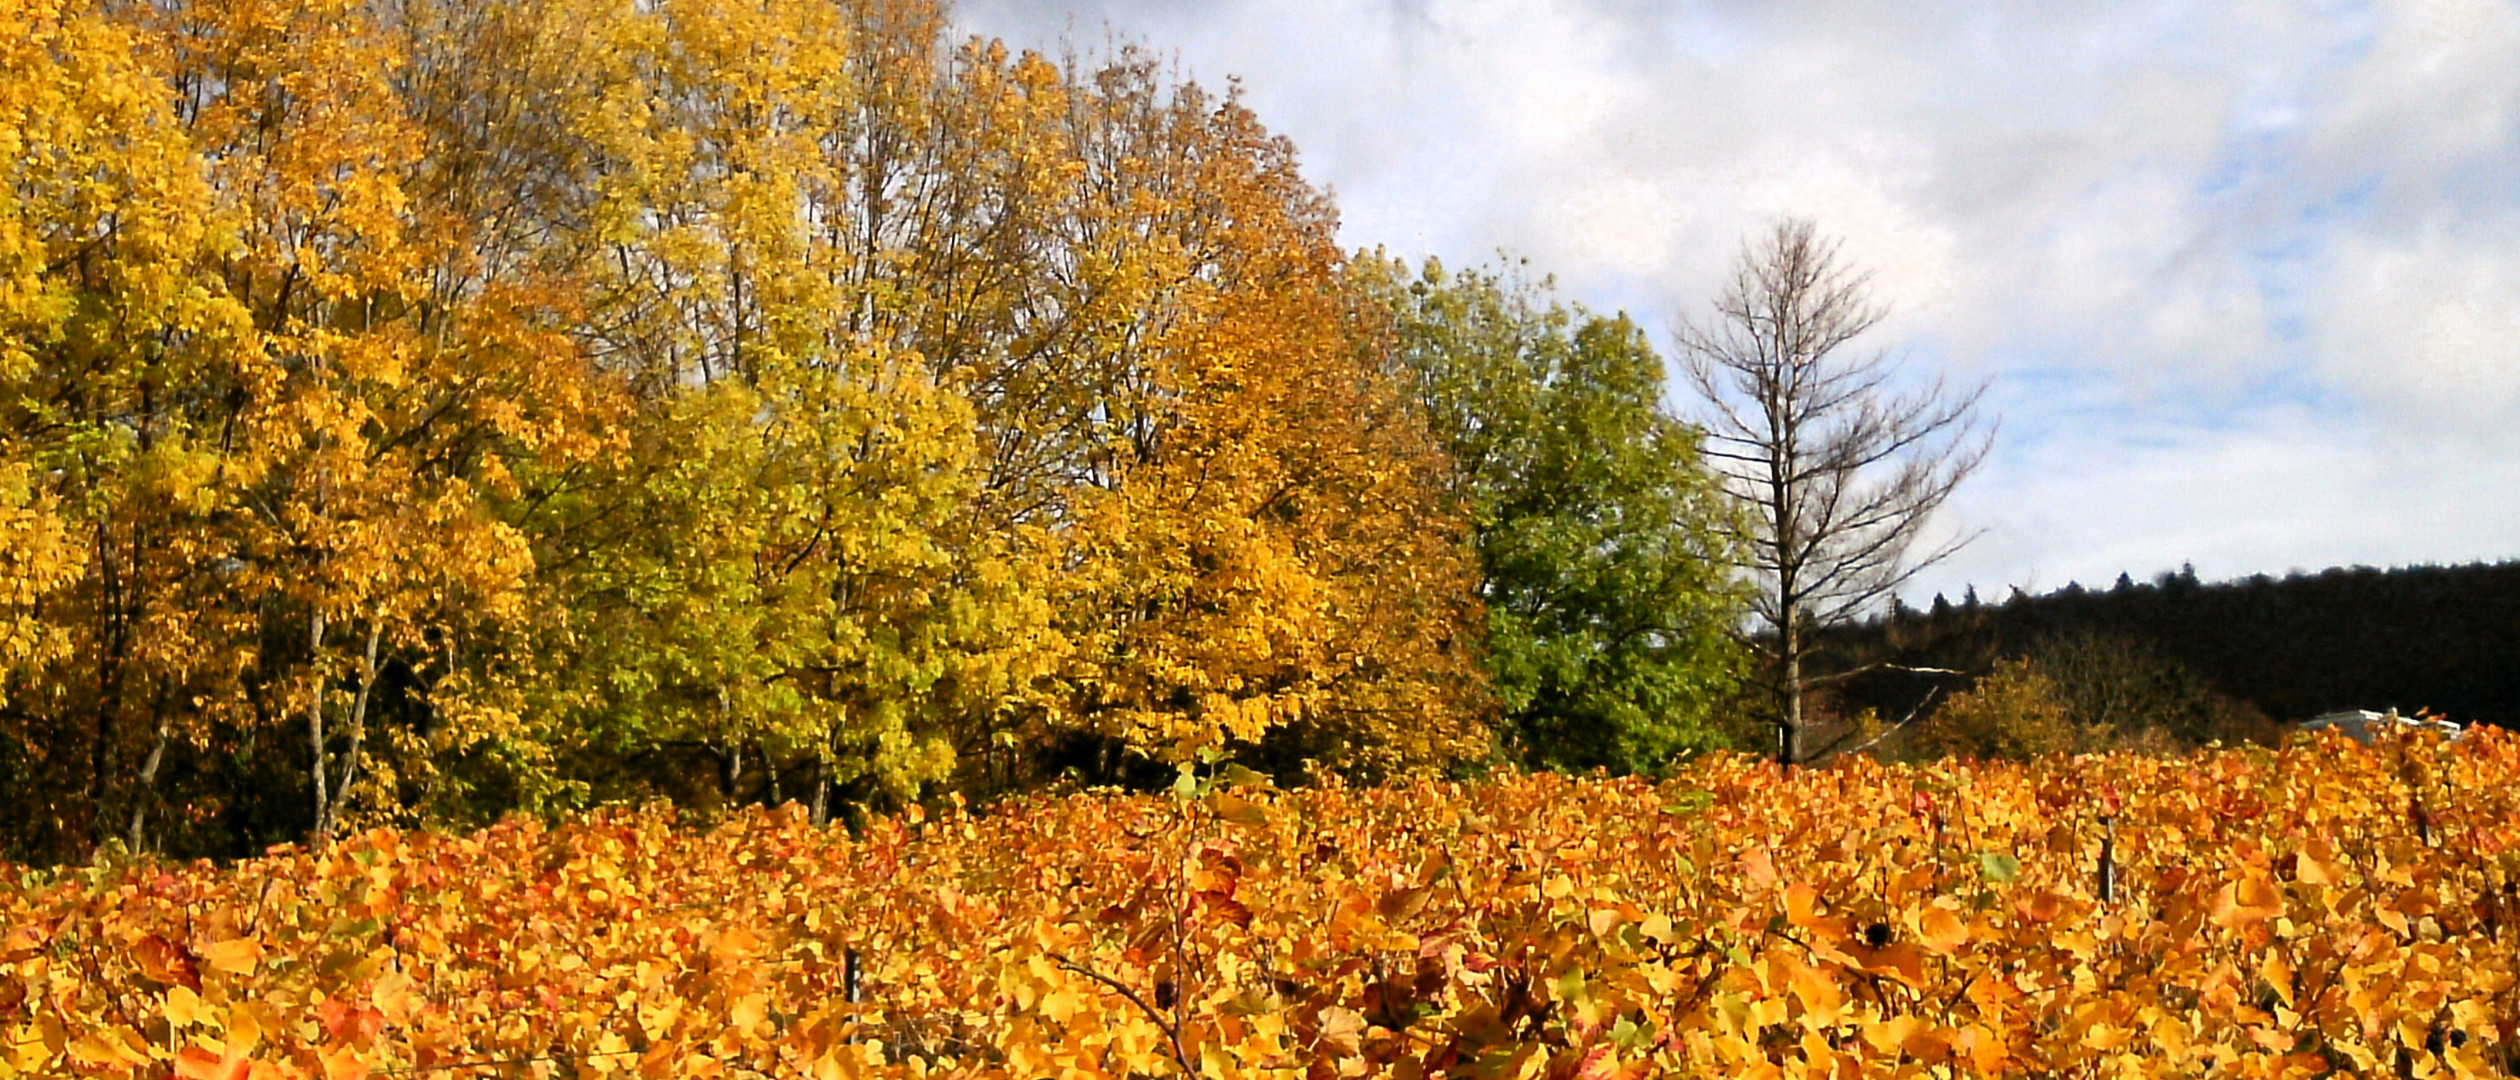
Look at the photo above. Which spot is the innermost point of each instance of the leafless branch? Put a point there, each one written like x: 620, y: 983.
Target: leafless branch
x: 1878, y: 737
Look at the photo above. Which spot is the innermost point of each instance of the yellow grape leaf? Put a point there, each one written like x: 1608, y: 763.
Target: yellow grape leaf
x: 184, y: 1009
x: 393, y: 996
x: 1892, y: 1033
x: 1341, y: 1030
x: 2278, y: 973
x: 1768, y: 1012
x: 238, y: 956
x: 115, y: 1048
x: 2172, y: 1034
x: 748, y: 1012
x: 1241, y: 811
x: 1819, y: 1058
x: 243, y: 1031
x: 1062, y: 1004
x: 1824, y: 1002
x: 2106, y: 1037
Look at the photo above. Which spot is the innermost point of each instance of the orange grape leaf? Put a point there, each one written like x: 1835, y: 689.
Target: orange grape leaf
x: 2243, y: 903
x: 165, y: 962
x: 2315, y: 864
x: 1984, y: 1047
x: 1941, y: 930
x: 1802, y: 903
x: 2041, y: 908
x: 342, y: 1062
x: 1900, y: 961
x: 195, y: 1063
x: 734, y: 944
x: 1758, y: 868
x: 1403, y: 904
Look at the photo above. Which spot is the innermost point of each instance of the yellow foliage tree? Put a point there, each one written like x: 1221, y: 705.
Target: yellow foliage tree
x: 434, y: 408
x: 807, y: 580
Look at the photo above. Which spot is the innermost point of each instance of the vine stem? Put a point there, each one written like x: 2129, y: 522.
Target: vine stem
x: 1172, y: 1030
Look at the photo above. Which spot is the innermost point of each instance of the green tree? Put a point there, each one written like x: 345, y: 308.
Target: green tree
x: 1600, y: 533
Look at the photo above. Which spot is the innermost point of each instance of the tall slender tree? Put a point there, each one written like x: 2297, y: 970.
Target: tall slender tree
x: 1839, y: 460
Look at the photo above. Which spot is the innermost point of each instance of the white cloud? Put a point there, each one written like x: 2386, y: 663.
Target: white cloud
x: 2279, y: 240
x: 2427, y: 328
x: 2270, y: 489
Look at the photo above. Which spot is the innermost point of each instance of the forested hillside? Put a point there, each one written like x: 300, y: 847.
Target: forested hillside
x: 2442, y: 638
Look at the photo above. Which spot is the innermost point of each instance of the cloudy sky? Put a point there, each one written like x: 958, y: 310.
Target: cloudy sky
x: 2244, y: 275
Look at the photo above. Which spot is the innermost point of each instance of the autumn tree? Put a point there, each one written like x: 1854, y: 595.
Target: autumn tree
x: 419, y: 410
x: 1838, y: 464
x: 1603, y: 538
x: 1263, y: 558
x: 291, y: 471
x: 2014, y: 711
x: 102, y: 223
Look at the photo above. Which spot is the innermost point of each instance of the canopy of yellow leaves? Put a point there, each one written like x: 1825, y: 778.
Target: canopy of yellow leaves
x: 469, y: 392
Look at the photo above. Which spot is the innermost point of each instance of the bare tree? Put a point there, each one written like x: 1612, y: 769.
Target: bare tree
x: 1837, y: 465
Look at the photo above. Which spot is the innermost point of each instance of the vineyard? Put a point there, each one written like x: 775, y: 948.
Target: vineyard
x: 2242, y: 912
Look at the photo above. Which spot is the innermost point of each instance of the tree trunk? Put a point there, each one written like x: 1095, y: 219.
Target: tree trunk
x: 358, y: 737
x: 315, y: 719
x: 104, y: 756
x: 133, y: 833
x: 1789, y: 735
x: 822, y: 792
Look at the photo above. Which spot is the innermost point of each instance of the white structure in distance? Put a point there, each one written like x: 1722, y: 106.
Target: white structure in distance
x: 2364, y: 725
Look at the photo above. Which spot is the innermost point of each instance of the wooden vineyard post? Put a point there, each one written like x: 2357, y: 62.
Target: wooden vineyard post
x: 2108, y: 859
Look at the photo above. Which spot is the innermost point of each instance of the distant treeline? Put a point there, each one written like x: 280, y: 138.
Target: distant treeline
x: 2443, y: 638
